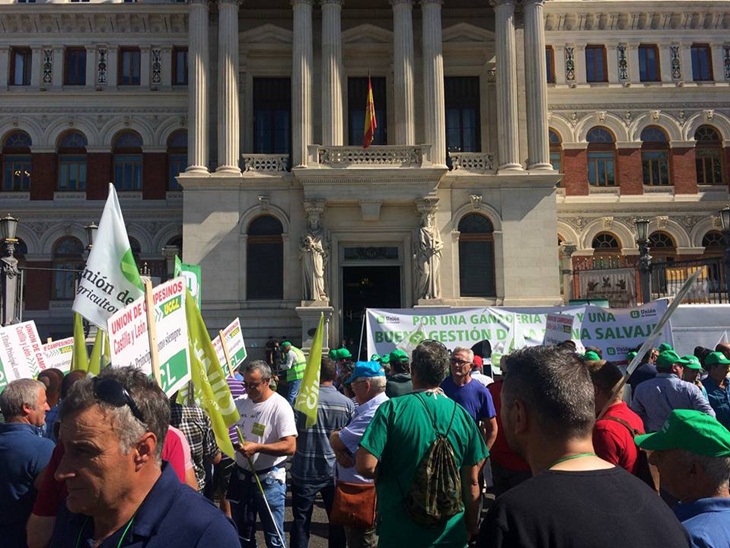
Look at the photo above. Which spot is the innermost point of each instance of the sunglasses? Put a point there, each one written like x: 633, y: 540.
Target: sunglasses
x: 255, y: 384
x: 112, y: 392
x: 457, y: 361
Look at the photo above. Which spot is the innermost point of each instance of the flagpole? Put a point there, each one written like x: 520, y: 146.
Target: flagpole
x: 225, y: 352
x: 152, y: 331
x: 362, y: 330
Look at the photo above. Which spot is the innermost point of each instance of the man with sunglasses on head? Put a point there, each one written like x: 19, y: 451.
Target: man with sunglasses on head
x: 119, y: 493
x: 269, y: 430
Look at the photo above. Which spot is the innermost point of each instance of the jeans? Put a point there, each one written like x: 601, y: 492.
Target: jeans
x: 303, y: 495
x: 247, y: 501
x: 292, y: 389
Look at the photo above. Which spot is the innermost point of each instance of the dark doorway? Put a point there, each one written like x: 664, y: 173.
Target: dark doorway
x: 366, y: 287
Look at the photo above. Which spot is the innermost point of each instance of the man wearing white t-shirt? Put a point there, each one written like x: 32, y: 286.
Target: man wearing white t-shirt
x: 269, y: 429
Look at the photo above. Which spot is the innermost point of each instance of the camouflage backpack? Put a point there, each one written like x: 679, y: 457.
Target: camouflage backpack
x: 435, y: 492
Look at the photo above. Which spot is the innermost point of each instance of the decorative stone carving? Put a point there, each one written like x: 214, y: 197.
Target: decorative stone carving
x: 264, y: 202
x: 607, y: 223
x: 674, y: 62
x: 48, y: 66
x: 101, y: 67
x: 428, y: 252
x: 655, y: 115
x: 709, y: 115
x: 313, y: 253
x: 661, y: 221
x: 570, y: 64
x: 476, y: 201
x: 156, y: 66
x: 601, y: 115
x: 623, y: 63
x: 726, y: 60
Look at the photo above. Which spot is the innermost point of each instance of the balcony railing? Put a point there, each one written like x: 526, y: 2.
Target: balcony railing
x: 374, y: 156
x: 473, y: 162
x: 268, y: 164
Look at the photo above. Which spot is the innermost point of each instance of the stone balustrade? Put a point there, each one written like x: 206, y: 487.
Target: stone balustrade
x: 473, y: 162
x: 269, y: 164
x: 373, y: 156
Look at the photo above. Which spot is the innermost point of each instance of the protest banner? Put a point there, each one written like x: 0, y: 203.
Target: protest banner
x: 193, y: 278
x: 59, y: 354
x: 129, y: 341
x: 235, y: 345
x: 560, y: 328
x: 21, y: 353
x: 110, y: 280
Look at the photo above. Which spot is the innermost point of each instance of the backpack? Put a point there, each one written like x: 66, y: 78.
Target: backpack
x: 435, y: 492
x: 643, y: 472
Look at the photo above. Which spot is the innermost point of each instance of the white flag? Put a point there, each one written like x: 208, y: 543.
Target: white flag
x: 110, y: 280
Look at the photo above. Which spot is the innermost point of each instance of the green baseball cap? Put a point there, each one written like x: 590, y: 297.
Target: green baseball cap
x: 344, y: 354
x: 591, y: 356
x: 691, y: 362
x: 399, y: 355
x: 385, y: 359
x: 667, y: 359
x: 690, y: 430
x: 716, y: 358
x: 333, y: 353
x: 375, y: 358
x: 664, y: 347
x: 630, y: 356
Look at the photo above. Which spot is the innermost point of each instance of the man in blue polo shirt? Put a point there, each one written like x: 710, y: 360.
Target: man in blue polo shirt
x: 119, y: 492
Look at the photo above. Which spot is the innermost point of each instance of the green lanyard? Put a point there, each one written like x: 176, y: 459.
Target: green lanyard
x: 571, y: 457
x: 121, y: 539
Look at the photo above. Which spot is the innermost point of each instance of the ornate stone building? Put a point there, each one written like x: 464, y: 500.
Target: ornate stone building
x: 259, y: 106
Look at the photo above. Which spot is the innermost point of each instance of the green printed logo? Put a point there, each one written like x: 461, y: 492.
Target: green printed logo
x: 380, y: 319
x: 170, y: 306
x: 417, y: 337
x: 611, y: 351
x: 635, y: 314
x: 129, y: 270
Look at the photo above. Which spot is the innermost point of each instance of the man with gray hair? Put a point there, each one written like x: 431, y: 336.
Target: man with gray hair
x: 119, y: 494
x: 270, y: 431
x: 23, y: 455
x: 692, y: 453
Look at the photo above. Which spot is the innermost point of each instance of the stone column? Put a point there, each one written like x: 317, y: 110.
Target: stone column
x: 538, y: 150
x: 301, y: 82
x: 58, y: 62
x: 434, y: 112
x: 90, y: 67
x: 228, y: 116
x: 332, y: 126
x: 198, y: 87
x: 5, y: 66
x: 405, y: 127
x: 509, y: 150
x: 144, y: 67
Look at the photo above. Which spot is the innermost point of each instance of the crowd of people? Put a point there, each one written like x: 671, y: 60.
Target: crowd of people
x: 402, y: 453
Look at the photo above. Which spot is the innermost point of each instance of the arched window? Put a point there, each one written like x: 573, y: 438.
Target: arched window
x: 655, y: 156
x: 605, y: 244
x: 72, y: 161
x: 265, y: 259
x: 601, y: 157
x: 177, y: 157
x: 714, y: 244
x: 68, y: 263
x: 476, y: 256
x: 708, y: 156
x: 662, y: 246
x: 556, y: 150
x: 17, y: 162
x: 127, y: 150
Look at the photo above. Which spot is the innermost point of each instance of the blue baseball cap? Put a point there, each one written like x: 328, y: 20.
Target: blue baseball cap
x: 366, y: 369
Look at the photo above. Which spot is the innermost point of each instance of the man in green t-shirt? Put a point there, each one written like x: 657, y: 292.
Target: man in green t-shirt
x: 397, y: 439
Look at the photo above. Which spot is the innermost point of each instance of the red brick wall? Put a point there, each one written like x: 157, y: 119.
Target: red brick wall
x: 43, y: 175
x: 628, y: 171
x: 575, y: 170
x: 98, y: 175
x: 37, y: 286
x: 683, y: 170
x: 154, y: 175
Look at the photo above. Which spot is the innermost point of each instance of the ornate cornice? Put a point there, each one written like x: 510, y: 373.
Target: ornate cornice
x: 95, y: 21
x: 635, y: 16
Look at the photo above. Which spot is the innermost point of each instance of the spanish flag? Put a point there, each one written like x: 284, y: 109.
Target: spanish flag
x: 371, y: 122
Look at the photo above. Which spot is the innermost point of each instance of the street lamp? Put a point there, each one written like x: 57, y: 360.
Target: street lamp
x: 642, y: 239
x: 725, y: 220
x: 567, y: 270
x: 10, y: 272
x: 91, y: 234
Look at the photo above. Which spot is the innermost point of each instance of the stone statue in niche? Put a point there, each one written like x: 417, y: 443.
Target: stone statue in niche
x: 313, y: 252
x: 428, y: 258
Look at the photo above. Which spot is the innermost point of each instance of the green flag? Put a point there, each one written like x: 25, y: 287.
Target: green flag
x: 308, y: 397
x: 80, y: 358
x: 211, y: 387
x: 192, y: 275
x: 95, y: 360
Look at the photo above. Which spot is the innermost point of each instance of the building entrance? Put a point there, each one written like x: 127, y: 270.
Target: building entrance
x: 366, y: 287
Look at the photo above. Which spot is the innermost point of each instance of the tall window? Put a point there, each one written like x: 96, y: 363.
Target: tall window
x: 129, y: 66
x: 20, y: 66
x: 72, y: 161
x: 272, y: 115
x: 476, y: 256
x: 550, y: 64
x: 596, y: 64
x: 601, y: 157
x: 265, y: 259
x: 127, y: 151
x: 662, y: 246
x: 357, y: 93
x: 701, y: 63
x: 461, y: 96
x: 177, y: 157
x: 708, y: 156
x: 74, y: 67
x: 654, y: 156
x: 17, y: 162
x: 605, y: 244
x: 649, y: 63
x: 179, y: 66
x: 556, y: 150
x: 68, y: 262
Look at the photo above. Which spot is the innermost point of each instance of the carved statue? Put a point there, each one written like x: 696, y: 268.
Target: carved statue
x: 428, y: 259
x: 314, y: 257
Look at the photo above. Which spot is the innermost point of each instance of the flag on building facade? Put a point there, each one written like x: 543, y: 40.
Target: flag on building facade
x: 308, y: 396
x: 371, y: 122
x: 80, y: 359
x: 110, y: 280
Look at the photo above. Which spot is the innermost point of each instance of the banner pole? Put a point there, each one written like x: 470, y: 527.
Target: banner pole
x: 225, y: 352
x: 362, y: 330
x: 152, y: 331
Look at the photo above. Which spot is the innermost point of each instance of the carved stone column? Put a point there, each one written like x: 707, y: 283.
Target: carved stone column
x: 228, y: 116
x: 332, y: 126
x: 434, y: 113
x: 302, y: 59
x: 198, y: 87
x: 405, y: 127
x: 538, y: 150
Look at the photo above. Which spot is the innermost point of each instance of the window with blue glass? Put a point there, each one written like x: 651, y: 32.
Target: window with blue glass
x: 127, y: 151
x: 556, y: 150
x: 177, y: 158
x: 130, y: 60
x: 179, y: 66
x: 655, y: 156
x: 596, y: 64
x: 649, y: 63
x: 272, y: 115
x: 20, y: 66
x: 17, y: 162
x: 357, y: 96
x: 461, y: 97
x: 701, y: 63
x: 601, y: 157
x: 68, y: 262
x: 72, y: 162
